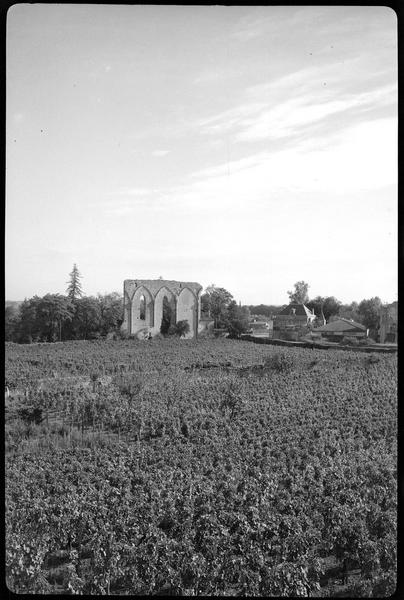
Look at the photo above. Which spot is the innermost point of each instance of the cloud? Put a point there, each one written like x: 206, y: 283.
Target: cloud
x: 160, y: 152
x: 285, y: 107
x: 249, y: 31
x: 360, y: 158
x: 266, y: 21
x: 290, y: 117
x: 127, y: 200
x: 329, y: 22
x: 133, y: 191
x: 213, y: 76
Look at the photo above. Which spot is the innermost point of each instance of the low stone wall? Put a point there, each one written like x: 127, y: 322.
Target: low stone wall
x: 317, y: 345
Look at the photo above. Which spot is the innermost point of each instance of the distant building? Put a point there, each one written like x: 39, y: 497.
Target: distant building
x: 388, y: 323
x: 293, y: 321
x: 260, y: 327
x: 335, y: 330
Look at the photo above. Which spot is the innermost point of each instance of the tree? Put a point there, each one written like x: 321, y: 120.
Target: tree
x: 11, y: 322
x: 325, y: 307
x: 369, y: 312
x: 181, y: 328
x: 266, y: 310
x: 214, y: 303
x: 237, y: 319
x: 300, y: 294
x: 29, y: 329
x: 74, y: 289
x: 168, y: 317
x: 111, y: 308
x: 52, y: 311
x: 350, y: 311
x: 87, y: 318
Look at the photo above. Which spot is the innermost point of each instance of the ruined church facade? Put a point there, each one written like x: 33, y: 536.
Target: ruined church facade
x: 150, y: 304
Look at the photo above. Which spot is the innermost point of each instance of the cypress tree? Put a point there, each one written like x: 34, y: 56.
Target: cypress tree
x: 74, y: 289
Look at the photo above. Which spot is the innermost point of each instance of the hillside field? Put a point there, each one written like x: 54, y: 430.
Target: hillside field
x: 210, y: 467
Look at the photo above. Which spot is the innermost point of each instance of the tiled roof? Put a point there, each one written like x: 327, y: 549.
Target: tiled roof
x: 341, y: 325
x: 300, y: 310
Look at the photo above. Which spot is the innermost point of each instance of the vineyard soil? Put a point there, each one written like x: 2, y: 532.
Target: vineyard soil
x: 210, y: 467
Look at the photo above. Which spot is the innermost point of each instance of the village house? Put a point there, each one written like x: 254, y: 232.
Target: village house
x: 337, y: 329
x: 293, y: 322
x: 260, y: 327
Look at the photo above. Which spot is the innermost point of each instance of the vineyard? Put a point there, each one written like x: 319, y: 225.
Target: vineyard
x: 211, y: 467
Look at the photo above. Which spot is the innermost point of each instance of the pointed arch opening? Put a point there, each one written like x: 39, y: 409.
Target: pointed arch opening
x: 142, y: 308
x: 168, y: 316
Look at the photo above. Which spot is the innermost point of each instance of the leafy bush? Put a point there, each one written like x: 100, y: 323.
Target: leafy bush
x: 180, y: 329
x: 280, y: 362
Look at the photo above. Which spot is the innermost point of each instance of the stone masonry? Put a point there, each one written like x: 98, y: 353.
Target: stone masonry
x: 143, y: 305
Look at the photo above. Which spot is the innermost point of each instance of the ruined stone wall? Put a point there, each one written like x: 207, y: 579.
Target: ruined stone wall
x: 183, y: 298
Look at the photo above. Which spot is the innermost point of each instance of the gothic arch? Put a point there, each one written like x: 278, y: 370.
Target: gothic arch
x: 164, y: 292
x: 182, y: 303
x: 136, y: 321
x: 187, y: 309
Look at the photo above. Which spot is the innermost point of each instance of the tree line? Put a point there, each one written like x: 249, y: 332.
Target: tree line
x: 365, y: 312
x: 58, y: 317
x: 73, y: 316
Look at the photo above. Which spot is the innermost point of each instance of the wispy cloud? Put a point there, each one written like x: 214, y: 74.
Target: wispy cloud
x: 362, y: 158
x: 328, y: 21
x: 133, y: 191
x: 159, y: 153
x: 291, y: 116
x: 285, y: 107
x: 127, y: 200
x: 215, y: 75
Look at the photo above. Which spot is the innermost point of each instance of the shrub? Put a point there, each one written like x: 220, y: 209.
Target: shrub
x: 31, y: 414
x: 181, y: 328
x: 280, y: 362
x: 206, y: 334
x: 220, y: 332
x: 350, y: 341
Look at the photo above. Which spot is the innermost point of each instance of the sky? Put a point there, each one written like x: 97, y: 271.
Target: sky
x: 246, y: 147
